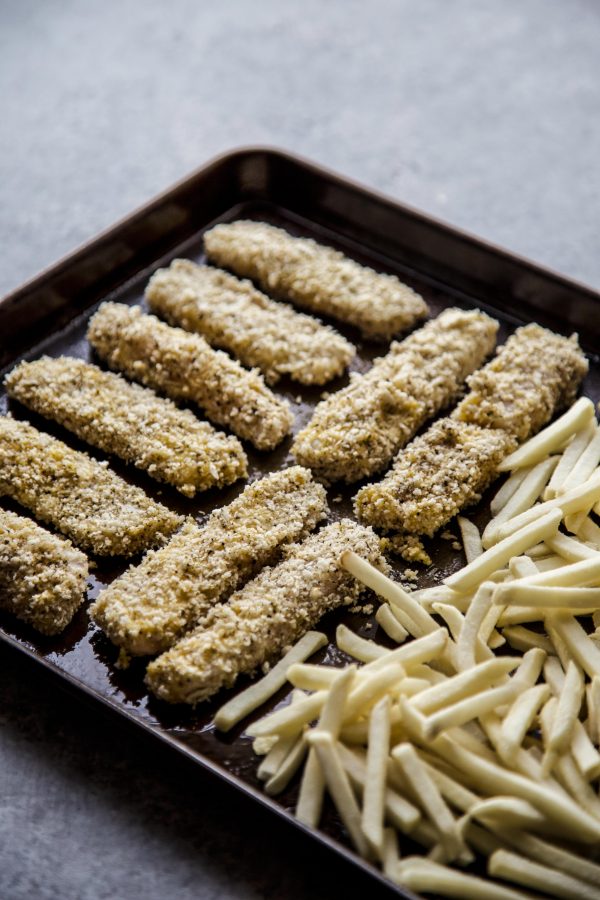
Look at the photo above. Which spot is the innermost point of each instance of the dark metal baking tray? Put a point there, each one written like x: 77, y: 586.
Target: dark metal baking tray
x: 49, y: 315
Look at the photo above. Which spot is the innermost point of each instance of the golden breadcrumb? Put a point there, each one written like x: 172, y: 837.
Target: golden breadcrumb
x: 129, y: 421
x: 434, y: 477
x: 42, y: 577
x: 357, y: 431
x: 151, y: 605
x: 409, y: 547
x: 316, y: 277
x: 235, y: 316
x: 262, y: 619
x: 185, y: 367
x: 76, y: 494
x: 532, y: 376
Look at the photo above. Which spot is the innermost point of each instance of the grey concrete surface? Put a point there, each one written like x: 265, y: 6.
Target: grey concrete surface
x: 482, y: 112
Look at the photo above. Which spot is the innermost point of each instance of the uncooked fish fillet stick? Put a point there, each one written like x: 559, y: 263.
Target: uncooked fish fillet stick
x: 78, y: 495
x: 235, y: 316
x: 316, y: 277
x: 532, y: 376
x: 272, y: 611
x: 185, y: 367
x: 130, y: 421
x: 42, y: 577
x: 151, y: 605
x: 357, y: 431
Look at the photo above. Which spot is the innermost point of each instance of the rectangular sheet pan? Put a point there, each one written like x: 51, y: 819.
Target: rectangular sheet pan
x: 49, y: 315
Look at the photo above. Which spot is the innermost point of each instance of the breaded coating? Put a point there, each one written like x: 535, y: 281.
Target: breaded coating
x: 130, y: 421
x: 76, y: 494
x: 151, y: 605
x: 316, y: 277
x: 42, y: 577
x: 185, y: 367
x: 262, y: 619
x: 532, y: 376
x: 357, y: 431
x: 434, y: 477
x: 235, y: 316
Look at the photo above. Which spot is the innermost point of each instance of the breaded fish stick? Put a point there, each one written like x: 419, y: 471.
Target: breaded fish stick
x: 271, y: 612
x: 235, y: 316
x: 76, y: 494
x: 185, y: 367
x: 434, y: 477
x: 42, y: 577
x: 151, y: 605
x: 533, y: 375
x: 130, y: 421
x: 357, y: 431
x: 316, y: 277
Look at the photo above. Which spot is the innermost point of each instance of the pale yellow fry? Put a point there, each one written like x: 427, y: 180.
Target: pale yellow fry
x: 378, y: 750
x: 586, y: 464
x: 288, y: 768
x: 360, y: 648
x: 465, y: 684
x: 522, y: 567
x: 550, y: 438
x: 390, y: 624
x: 421, y: 650
x: 523, y: 498
x: 279, y: 749
x: 588, y: 530
x: 310, y: 677
x: 290, y: 719
x: 577, y: 786
x: 554, y: 674
x: 465, y: 654
x: 419, y: 874
x: 507, y: 812
x: 519, y: 720
x: 391, y: 855
x: 569, y: 459
x: 555, y: 856
x: 441, y: 594
x: 584, y: 753
x: 402, y: 814
x: 370, y: 689
x: 247, y: 701
x: 567, y: 711
x: 524, y: 639
x: 312, y: 786
x: 581, y: 647
x: 390, y: 590
x: 339, y: 788
x: 573, y: 600
x: 470, y: 708
x: 508, y: 489
x: 455, y: 793
x: 512, y: 867
x: 471, y: 538
x: 593, y: 702
x: 577, y: 574
x: 580, y: 498
x: 499, y: 555
x: 517, y: 615
x: 550, y: 563
x: 429, y: 795
x: 571, y: 549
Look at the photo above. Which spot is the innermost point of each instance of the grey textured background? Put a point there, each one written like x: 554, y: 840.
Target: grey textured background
x: 482, y: 112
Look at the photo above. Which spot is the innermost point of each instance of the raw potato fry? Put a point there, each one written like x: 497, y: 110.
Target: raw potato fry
x: 421, y: 650
x: 512, y: 867
x: 258, y: 693
x: 151, y: 605
x: 586, y: 465
x: 579, y: 574
x: 378, y: 749
x: 555, y: 857
x: 565, y: 715
x: 291, y: 719
x: 419, y: 874
x: 464, y: 685
x: 497, y: 556
x: 593, y: 700
x: 507, y: 812
x: 589, y: 531
x: 576, y: 601
x: 185, y: 367
x: 359, y: 648
x: 467, y: 641
x: 79, y: 496
x: 356, y: 432
x: 235, y: 316
x: 42, y: 577
x: 311, y: 678
x: 580, y: 647
x: 390, y: 855
x: 523, y: 498
x: 315, y: 277
x: 399, y: 812
x: 519, y: 720
x: 288, y: 768
x: 584, y: 753
x: 390, y: 624
x: 551, y: 438
x: 130, y: 422
x: 262, y: 619
x: 507, y: 490
x: 338, y: 786
x: 571, y: 549
x: 471, y: 538
x: 469, y: 708
x: 569, y: 458
x: 524, y: 639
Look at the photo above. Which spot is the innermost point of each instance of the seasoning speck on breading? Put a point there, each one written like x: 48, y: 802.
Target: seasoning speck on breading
x: 78, y: 495
x: 152, y: 604
x: 130, y: 421
x: 271, y: 612
x: 357, y: 431
x: 184, y: 367
x: 42, y: 577
x: 235, y: 316
x: 317, y: 278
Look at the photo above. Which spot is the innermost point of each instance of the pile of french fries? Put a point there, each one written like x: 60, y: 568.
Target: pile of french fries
x: 479, y: 732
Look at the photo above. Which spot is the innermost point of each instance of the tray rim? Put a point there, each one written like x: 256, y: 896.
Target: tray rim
x: 71, y: 683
